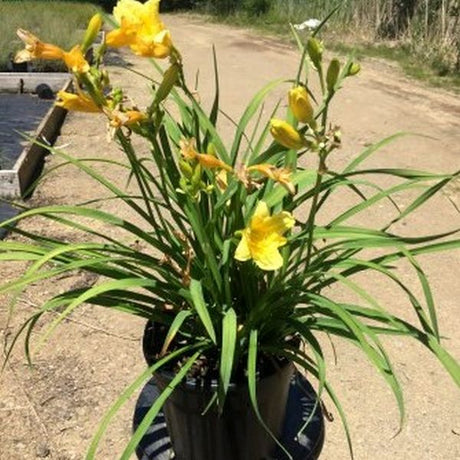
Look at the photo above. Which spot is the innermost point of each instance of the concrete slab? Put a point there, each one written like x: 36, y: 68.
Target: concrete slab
x: 27, y: 82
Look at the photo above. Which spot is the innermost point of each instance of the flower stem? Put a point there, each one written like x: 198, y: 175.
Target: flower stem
x: 314, y: 206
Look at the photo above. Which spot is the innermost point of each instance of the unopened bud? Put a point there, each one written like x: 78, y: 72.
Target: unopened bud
x: 315, y: 51
x: 105, y: 78
x: 337, y: 136
x: 300, y: 105
x: 186, y: 169
x: 183, y: 184
x: 117, y: 96
x: 196, y: 177
x: 286, y: 135
x: 170, y: 78
x: 332, y: 75
x: 94, y: 26
x: 353, y: 69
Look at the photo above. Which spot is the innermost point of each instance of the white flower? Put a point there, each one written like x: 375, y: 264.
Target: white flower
x: 311, y: 24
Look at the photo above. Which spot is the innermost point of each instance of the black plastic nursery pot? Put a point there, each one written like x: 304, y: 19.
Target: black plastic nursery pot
x: 236, y: 434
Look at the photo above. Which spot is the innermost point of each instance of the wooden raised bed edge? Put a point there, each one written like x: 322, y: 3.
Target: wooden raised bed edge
x: 15, y: 182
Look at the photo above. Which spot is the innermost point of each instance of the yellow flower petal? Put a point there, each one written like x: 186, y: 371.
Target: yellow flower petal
x: 263, y: 237
x: 119, y: 118
x: 269, y: 258
x: 124, y: 36
x: 76, y: 102
x: 36, y: 49
x: 141, y: 29
x: 280, y: 175
x: 222, y: 180
x: 157, y: 46
x: 188, y: 148
x: 242, y: 252
x: 262, y: 210
x: 75, y: 61
x: 211, y: 162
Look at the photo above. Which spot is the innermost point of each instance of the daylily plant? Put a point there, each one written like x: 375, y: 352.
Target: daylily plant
x: 229, y: 254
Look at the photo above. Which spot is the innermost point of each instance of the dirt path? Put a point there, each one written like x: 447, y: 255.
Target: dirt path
x: 53, y: 410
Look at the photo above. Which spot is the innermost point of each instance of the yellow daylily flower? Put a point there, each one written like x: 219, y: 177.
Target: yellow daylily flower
x: 211, y: 162
x: 280, y: 175
x: 263, y: 237
x: 286, y: 135
x: 157, y: 46
x: 119, y: 118
x: 300, y: 105
x: 36, y: 49
x: 188, y: 151
x: 75, y: 61
x: 124, y: 36
x: 76, y: 102
x: 141, y: 29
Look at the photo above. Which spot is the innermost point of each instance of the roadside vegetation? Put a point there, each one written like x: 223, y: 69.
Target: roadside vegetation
x: 423, y: 36
x: 57, y: 22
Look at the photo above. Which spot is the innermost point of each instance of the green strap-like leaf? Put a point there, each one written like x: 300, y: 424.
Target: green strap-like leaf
x: 229, y: 332
x: 112, y: 285
x: 128, y: 392
x: 201, y: 308
x: 248, y: 114
x: 371, y: 150
x: 450, y: 364
x: 174, y: 328
x: 156, y: 407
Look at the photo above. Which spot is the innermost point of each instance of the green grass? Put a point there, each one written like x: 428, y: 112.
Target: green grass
x: 406, y: 59
x: 60, y: 23
x: 419, y: 57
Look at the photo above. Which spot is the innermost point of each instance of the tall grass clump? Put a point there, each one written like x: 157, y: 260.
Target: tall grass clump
x: 422, y: 32
x: 62, y: 23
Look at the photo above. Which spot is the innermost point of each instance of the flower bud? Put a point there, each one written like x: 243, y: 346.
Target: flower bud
x: 299, y: 104
x: 170, y: 78
x: 315, y: 51
x: 286, y: 135
x: 353, y: 69
x: 186, y: 169
x: 105, y: 78
x: 196, y: 177
x: 94, y: 26
x: 332, y: 75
